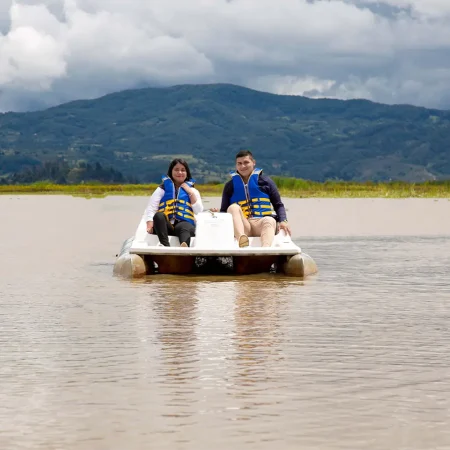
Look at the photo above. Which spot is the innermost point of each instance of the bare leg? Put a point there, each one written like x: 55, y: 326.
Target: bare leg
x: 240, y: 223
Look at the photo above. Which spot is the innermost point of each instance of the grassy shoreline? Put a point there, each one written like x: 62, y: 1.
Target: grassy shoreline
x: 289, y: 187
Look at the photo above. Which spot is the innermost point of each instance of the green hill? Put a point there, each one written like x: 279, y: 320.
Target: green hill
x: 137, y: 132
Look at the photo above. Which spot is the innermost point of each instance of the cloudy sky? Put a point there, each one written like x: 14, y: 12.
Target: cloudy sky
x: 390, y: 51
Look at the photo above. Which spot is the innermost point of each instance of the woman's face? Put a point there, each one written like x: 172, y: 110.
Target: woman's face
x: 179, y: 173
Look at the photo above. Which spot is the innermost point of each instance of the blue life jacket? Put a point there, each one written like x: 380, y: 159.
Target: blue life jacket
x: 176, y: 207
x: 257, y: 203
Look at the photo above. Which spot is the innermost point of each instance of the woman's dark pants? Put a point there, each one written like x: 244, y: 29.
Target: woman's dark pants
x: 163, y: 229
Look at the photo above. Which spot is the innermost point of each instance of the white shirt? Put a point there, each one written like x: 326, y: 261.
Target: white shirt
x: 155, y: 200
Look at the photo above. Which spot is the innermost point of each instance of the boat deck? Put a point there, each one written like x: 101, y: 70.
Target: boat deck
x: 195, y: 251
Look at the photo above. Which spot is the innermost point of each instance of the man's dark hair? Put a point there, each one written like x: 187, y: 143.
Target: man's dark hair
x: 244, y: 153
x: 183, y: 163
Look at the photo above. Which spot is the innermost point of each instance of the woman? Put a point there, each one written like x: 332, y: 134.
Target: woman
x: 172, y: 206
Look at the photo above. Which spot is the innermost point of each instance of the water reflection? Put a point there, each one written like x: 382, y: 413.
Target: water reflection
x: 220, y: 343
x: 175, y: 306
x: 258, y: 307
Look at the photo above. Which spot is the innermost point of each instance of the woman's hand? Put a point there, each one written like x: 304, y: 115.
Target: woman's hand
x: 191, y: 193
x: 150, y: 227
x: 187, y: 189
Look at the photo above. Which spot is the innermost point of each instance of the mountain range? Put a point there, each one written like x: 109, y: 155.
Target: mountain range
x: 137, y: 132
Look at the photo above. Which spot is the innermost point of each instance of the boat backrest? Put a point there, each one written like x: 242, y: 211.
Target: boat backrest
x: 214, y: 231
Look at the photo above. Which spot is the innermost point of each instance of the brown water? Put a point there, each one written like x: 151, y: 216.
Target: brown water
x: 357, y: 357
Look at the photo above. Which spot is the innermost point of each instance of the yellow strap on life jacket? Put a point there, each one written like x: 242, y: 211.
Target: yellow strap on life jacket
x: 186, y: 214
x: 262, y: 213
x: 184, y: 202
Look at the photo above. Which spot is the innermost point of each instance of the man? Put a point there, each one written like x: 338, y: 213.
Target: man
x: 254, y: 202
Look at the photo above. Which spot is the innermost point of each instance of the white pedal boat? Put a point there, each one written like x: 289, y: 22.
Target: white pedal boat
x: 213, y: 250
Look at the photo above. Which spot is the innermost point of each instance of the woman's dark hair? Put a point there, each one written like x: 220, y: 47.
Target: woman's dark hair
x: 183, y: 163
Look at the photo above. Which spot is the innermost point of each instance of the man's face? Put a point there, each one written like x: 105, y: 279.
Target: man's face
x: 245, y: 165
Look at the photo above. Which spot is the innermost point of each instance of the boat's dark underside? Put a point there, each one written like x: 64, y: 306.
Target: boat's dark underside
x: 208, y: 265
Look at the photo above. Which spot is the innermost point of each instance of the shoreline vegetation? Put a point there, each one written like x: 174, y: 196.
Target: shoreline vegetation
x: 289, y: 187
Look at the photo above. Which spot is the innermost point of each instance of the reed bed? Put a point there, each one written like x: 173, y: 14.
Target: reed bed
x: 289, y: 187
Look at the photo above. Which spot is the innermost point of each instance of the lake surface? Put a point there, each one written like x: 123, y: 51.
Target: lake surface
x: 356, y: 357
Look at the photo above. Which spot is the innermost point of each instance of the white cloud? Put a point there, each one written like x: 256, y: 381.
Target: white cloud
x: 31, y: 56
x: 289, y: 85
x: 392, y: 51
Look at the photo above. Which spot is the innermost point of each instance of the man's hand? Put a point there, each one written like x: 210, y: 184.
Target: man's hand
x: 150, y: 227
x: 285, y: 226
x: 214, y: 209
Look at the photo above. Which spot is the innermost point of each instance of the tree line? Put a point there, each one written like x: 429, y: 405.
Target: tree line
x: 60, y: 171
